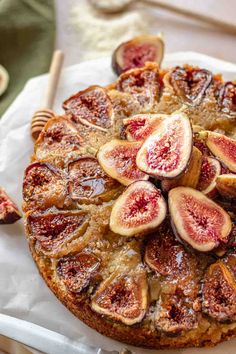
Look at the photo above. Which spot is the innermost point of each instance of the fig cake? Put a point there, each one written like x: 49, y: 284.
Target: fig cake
x: 129, y: 205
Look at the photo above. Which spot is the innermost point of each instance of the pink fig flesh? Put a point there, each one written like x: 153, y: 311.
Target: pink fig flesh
x: 134, y: 53
x: 140, y: 209
x: 122, y: 298
x: 167, y: 151
x: 140, y: 126
x: 91, y: 107
x: 118, y: 159
x: 224, y: 148
x: 9, y: 212
x: 198, y: 220
x: 210, y: 170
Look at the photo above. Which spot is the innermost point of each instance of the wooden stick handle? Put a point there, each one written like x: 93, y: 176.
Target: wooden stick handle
x: 54, y: 74
x: 231, y: 28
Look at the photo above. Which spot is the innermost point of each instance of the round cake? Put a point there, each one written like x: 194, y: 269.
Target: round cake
x: 129, y: 204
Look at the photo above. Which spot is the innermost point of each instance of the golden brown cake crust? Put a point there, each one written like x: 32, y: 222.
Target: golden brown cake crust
x: 95, y: 237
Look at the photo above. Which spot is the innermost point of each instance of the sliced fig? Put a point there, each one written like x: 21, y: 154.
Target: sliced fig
x: 174, y: 317
x: 166, y: 152
x: 139, y: 209
x: 55, y: 229
x: 227, y: 98
x: 91, y: 107
x: 43, y: 186
x: 190, y: 83
x: 226, y: 185
x: 219, y: 293
x: 143, y: 84
x: 198, y: 220
x: 9, y: 212
x: 58, y: 140
x: 118, y: 159
x: 137, y: 51
x: 77, y: 272
x: 140, y: 126
x: 122, y: 298
x: 224, y: 148
x: 88, y: 183
x: 190, y: 177
x: 210, y: 170
x: 165, y: 255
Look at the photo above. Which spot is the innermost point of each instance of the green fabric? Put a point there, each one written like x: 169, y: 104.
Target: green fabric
x: 27, y: 32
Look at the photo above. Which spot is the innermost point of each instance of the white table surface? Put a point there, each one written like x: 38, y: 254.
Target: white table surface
x: 181, y: 34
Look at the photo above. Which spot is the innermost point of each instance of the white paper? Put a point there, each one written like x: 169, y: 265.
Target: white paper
x: 24, y: 295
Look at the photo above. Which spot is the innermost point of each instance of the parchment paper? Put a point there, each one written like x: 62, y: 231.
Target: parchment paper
x: 24, y: 295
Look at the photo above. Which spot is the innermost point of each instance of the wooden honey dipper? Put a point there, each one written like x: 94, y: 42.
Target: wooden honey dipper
x: 41, y: 116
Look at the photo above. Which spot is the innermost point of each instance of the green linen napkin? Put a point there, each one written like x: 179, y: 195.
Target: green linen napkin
x: 27, y: 33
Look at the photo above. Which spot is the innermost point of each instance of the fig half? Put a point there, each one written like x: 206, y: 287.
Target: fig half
x: 224, y: 148
x: 77, y: 271
x: 91, y: 107
x: 88, y: 183
x: 140, y: 126
x: 226, y: 185
x: 165, y: 255
x: 143, y: 84
x: 134, y: 53
x: 210, y: 170
x: 174, y: 317
x: 54, y: 229
x: 118, y: 159
x: 219, y: 293
x: 44, y: 186
x: 139, y: 209
x: 58, y: 140
x: 122, y: 298
x: 9, y: 212
x: 190, y: 83
x: 198, y: 220
x: 166, y: 152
